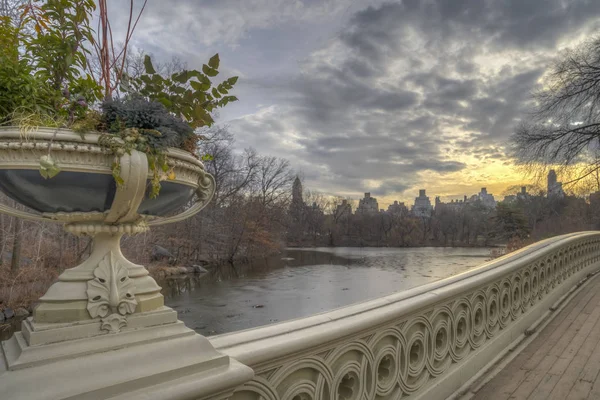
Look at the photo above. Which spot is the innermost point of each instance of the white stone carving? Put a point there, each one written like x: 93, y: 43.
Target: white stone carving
x: 64, y: 300
x: 68, y: 331
x: 111, y: 294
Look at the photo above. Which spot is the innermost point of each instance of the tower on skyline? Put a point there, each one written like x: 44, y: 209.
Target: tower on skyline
x: 422, y: 206
x: 367, y: 205
x: 297, y: 192
x: 555, y: 189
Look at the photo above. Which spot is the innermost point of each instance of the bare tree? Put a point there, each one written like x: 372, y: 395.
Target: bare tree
x: 274, y: 179
x: 233, y: 173
x: 564, y: 128
x: 15, y: 261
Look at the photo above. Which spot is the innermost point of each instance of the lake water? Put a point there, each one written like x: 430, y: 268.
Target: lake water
x: 302, y: 282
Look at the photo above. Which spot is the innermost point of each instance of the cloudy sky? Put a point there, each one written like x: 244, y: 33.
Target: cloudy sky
x: 379, y: 96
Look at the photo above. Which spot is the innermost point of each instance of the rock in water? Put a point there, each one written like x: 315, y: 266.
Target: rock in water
x: 199, y: 270
x: 21, y: 313
x: 9, y: 313
x: 160, y: 253
x: 181, y: 270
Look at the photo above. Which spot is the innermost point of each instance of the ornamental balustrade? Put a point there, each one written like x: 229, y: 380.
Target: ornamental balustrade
x: 422, y: 343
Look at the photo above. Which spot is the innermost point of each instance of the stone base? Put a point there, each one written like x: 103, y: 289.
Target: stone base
x: 68, y: 299
x: 155, y: 357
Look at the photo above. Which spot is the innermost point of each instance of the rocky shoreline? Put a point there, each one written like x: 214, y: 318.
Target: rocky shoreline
x: 164, y: 271
x: 8, y: 314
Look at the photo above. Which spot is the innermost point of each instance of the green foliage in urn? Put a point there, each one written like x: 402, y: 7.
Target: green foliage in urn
x: 21, y: 93
x: 57, y: 50
x: 148, y: 141
x: 138, y: 124
x: 136, y: 112
x: 47, y: 79
x: 188, y: 94
x: 53, y: 38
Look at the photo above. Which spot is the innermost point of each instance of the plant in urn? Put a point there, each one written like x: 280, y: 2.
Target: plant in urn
x: 106, y: 154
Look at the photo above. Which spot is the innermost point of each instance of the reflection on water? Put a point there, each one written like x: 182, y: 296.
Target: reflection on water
x: 302, y: 282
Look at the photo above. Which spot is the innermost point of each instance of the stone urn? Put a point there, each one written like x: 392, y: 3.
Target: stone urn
x: 107, y: 302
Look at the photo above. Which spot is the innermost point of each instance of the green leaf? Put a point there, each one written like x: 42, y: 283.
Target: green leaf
x: 202, y: 85
x: 52, y: 172
x: 148, y: 65
x: 196, y: 85
x: 195, y: 73
x: 181, y: 77
x: 209, y: 71
x: 232, y: 80
x: 207, y: 157
x: 200, y: 97
x: 214, y: 61
x: 157, y: 79
x: 48, y: 167
x: 126, y: 87
x: 215, y: 93
x: 165, y: 102
x: 203, y: 78
x: 200, y: 113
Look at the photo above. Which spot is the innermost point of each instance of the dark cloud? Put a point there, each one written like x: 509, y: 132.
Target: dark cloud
x: 402, y: 88
x: 438, y: 166
x: 502, y: 23
x: 392, y: 101
x: 389, y: 188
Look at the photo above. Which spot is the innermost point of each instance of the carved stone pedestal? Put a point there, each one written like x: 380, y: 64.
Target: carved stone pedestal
x: 154, y: 357
x: 101, y: 330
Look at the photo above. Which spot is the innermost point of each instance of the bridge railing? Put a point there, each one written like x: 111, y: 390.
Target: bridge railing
x: 425, y: 343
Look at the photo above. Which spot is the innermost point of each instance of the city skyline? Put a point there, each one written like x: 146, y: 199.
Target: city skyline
x: 552, y: 187
x: 384, y: 206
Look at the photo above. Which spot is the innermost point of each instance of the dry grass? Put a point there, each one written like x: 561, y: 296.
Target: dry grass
x: 161, y: 271
x: 26, y: 286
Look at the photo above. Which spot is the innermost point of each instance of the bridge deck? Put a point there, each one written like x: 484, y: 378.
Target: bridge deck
x: 562, y: 362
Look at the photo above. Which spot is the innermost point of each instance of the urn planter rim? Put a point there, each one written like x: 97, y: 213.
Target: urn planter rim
x: 20, y: 155
x: 68, y: 135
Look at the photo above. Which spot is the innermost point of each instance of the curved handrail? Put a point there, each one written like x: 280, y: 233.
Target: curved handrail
x: 553, y: 266
x: 204, y: 193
